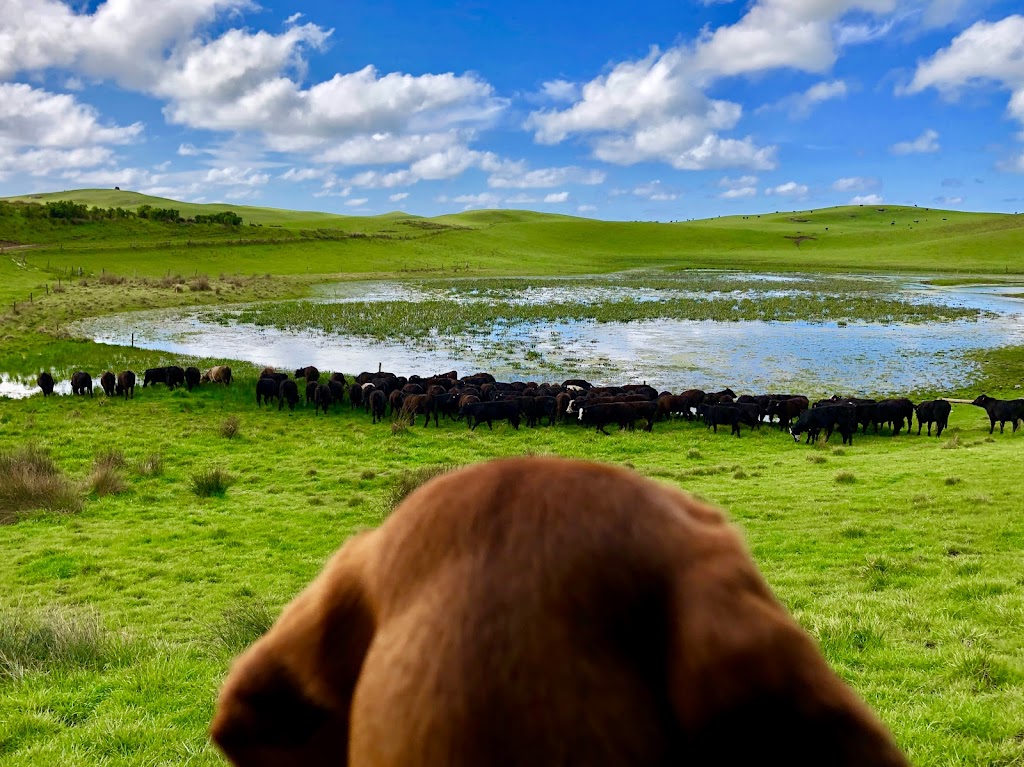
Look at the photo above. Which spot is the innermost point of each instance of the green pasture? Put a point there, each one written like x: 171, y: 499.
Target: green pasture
x: 178, y: 524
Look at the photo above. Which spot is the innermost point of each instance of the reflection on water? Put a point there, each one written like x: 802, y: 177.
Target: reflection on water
x: 17, y: 388
x: 669, y: 354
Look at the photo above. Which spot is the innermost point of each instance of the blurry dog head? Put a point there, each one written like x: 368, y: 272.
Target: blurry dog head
x: 542, y: 611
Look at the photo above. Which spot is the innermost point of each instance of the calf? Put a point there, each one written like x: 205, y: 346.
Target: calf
x: 267, y: 389
x: 46, y: 383
x: 126, y: 384
x: 192, y: 377
x: 81, y: 382
x: 108, y: 381
x: 378, y: 405
x: 288, y: 391
x: 1001, y: 410
x: 323, y: 397
x: 934, y: 411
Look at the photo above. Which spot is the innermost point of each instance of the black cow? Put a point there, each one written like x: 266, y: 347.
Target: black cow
x: 602, y: 414
x: 355, y: 395
x: 288, y: 391
x: 323, y: 398
x: 476, y: 413
x: 81, y: 382
x: 420, y: 404
x: 191, y: 377
x: 894, y: 412
x: 934, y: 411
x: 267, y: 389
x: 46, y: 383
x: 176, y: 376
x: 311, y: 391
x: 786, y: 409
x: 340, y: 378
x: 269, y: 373
x: 154, y: 376
x: 378, y: 405
x: 108, y: 382
x: 1001, y: 410
x: 126, y: 384
x: 828, y: 417
x: 337, y: 390
x: 731, y: 415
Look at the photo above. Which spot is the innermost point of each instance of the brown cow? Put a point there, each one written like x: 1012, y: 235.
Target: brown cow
x: 220, y: 374
x: 541, y: 611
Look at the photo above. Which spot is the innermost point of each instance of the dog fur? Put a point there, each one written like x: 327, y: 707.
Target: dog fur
x: 542, y: 611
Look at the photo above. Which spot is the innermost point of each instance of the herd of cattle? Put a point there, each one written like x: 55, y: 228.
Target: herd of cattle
x: 480, y: 398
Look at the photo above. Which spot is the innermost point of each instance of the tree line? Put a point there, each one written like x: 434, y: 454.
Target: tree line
x: 75, y: 212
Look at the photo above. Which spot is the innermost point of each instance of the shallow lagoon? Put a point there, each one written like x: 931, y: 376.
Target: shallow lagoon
x: 855, y: 357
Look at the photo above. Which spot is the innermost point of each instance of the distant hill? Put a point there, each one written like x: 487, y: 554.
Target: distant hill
x: 116, y: 198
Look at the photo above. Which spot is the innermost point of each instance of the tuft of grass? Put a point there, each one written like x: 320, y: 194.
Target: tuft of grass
x: 740, y: 474
x: 401, y: 424
x: 817, y: 459
x: 30, y: 480
x: 368, y: 474
x: 693, y: 453
x: 240, y: 626
x: 106, y: 479
x: 200, y: 283
x: 55, y: 639
x: 410, y: 479
x: 150, y: 466
x: 107, y: 278
x: 211, y: 482
x: 229, y: 428
x: 839, y: 451
x: 845, y: 477
x: 952, y: 481
x: 952, y: 443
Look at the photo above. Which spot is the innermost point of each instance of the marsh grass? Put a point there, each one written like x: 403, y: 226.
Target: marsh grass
x: 845, y: 477
x: 150, y: 466
x: 230, y: 427
x: 30, y: 480
x: 106, y: 477
x: 211, y: 482
x: 410, y: 479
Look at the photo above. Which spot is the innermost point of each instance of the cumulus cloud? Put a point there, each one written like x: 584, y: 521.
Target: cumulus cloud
x: 357, y: 202
x: 855, y: 184
x: 740, y: 188
x: 789, y: 189
x: 560, y: 90
x: 398, y: 196
x: 926, y: 143
x: 656, y: 192
x: 867, y: 199
x: 986, y: 52
x: 556, y: 197
x: 481, y: 200
x: 43, y: 133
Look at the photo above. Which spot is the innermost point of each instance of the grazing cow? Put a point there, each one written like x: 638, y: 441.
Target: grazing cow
x: 81, y: 382
x: 413, y: 388
x: 602, y: 414
x: 476, y: 413
x: 218, y: 374
x: 323, y: 398
x: 1001, y: 410
x: 288, y: 391
x: 311, y: 392
x: 378, y: 405
x: 271, y: 373
x: 268, y: 389
x: 107, y: 382
x: 632, y: 610
x: 154, y: 376
x: 340, y: 378
x: 46, y: 383
x: 395, y: 401
x: 176, y: 376
x: 894, y: 412
x: 355, y: 395
x: 933, y: 411
x: 829, y: 418
x: 192, y: 377
x: 731, y: 415
x: 310, y: 373
x: 337, y: 391
x: 420, y: 404
x: 786, y: 410
x: 126, y: 384
x: 562, y: 401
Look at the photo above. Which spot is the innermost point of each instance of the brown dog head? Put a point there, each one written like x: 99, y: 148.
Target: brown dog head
x: 542, y: 611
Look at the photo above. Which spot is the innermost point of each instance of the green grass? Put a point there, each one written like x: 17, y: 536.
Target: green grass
x: 903, y: 596
x: 122, y: 606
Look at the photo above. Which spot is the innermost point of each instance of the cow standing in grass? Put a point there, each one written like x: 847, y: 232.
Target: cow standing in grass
x: 1001, y: 410
x: 81, y: 382
x: 46, y: 383
x: 126, y: 384
x: 934, y: 411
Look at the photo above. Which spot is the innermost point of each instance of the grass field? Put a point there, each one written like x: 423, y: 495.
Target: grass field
x: 174, y: 527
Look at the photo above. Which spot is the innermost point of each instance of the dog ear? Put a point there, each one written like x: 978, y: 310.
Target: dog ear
x: 748, y: 684
x: 286, y: 700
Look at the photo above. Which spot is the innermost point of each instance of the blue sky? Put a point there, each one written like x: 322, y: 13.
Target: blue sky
x: 629, y: 111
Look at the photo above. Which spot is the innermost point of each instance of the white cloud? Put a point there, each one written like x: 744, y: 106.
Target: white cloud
x: 299, y: 175
x: 990, y: 52
x: 800, y: 105
x: 926, y: 143
x: 740, y: 188
x: 515, y: 175
x: 188, y: 150
x: 398, y: 196
x: 586, y: 208
x: 388, y: 148
x: 867, y: 199
x: 293, y: 18
x: 656, y: 192
x: 356, y: 202
x: 521, y: 199
x: 556, y: 197
x: 482, y: 200
x: 560, y: 90
x: 789, y: 189
x: 855, y: 184
x: 954, y: 201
